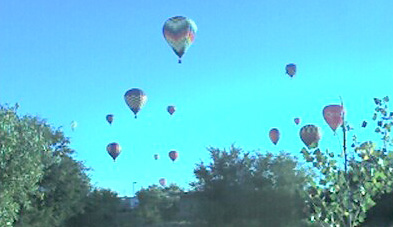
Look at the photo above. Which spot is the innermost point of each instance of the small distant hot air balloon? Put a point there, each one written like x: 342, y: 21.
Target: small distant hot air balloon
x: 364, y: 124
x: 109, y: 118
x: 179, y: 32
x: 162, y: 182
x: 135, y: 99
x: 310, y: 135
x: 114, y: 150
x: 333, y: 115
x: 274, y: 135
x: 74, y: 124
x: 171, y: 109
x: 173, y: 155
x: 156, y: 156
x: 291, y: 69
x: 296, y: 120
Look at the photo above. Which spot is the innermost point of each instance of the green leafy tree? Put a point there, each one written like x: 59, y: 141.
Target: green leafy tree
x: 40, y: 183
x: 102, y: 209
x: 238, y: 189
x: 23, y: 143
x: 341, y: 196
x: 63, y: 189
x: 158, y: 204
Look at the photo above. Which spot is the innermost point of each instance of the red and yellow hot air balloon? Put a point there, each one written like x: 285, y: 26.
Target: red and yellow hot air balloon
x: 274, y: 135
x: 290, y: 69
x: 135, y: 99
x: 171, y: 109
x: 109, y: 118
x: 173, y: 155
x: 296, y: 120
x: 156, y: 156
x: 310, y: 135
x: 334, y: 115
x: 162, y: 182
x: 179, y: 32
x: 114, y: 150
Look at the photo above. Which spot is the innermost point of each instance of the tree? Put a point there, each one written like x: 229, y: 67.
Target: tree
x: 158, y: 204
x: 41, y: 184
x: 101, y: 210
x: 341, y: 196
x: 238, y: 189
x: 23, y: 143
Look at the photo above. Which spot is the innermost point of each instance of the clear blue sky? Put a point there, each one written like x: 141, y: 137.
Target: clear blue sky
x: 74, y: 60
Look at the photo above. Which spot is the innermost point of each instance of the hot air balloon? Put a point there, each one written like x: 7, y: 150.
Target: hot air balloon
x: 310, y: 135
x: 364, y: 124
x: 173, y: 155
x: 296, y: 120
x: 291, y: 69
x: 74, y: 124
x: 156, y: 157
x: 114, y: 150
x: 135, y: 99
x: 109, y: 118
x: 333, y: 115
x: 179, y: 32
x: 162, y: 182
x: 171, y: 109
x: 274, y: 135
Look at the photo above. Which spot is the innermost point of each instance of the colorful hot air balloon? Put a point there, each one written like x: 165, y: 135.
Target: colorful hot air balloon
x: 114, y: 150
x: 171, y: 109
x: 333, y: 115
x: 109, y: 118
x: 291, y: 69
x: 364, y: 124
x: 274, y: 135
x: 310, y: 135
x: 156, y: 156
x: 162, y: 182
x: 173, y: 155
x: 296, y: 120
x: 135, y: 99
x: 74, y: 124
x: 179, y: 32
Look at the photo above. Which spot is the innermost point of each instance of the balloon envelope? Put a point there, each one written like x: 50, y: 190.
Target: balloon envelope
x: 109, y: 118
x: 156, y: 156
x: 296, y: 120
x: 291, y: 69
x: 173, y: 155
x: 162, y: 182
x: 135, y: 99
x: 333, y: 115
x: 114, y: 150
x: 310, y: 135
x: 74, y: 124
x: 179, y: 32
x: 274, y: 135
x: 171, y: 109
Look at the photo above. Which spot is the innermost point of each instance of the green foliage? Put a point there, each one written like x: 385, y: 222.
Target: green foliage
x: 341, y: 197
x: 157, y: 204
x: 64, y: 187
x: 101, y: 210
x: 23, y: 143
x: 245, y: 190
x: 41, y: 185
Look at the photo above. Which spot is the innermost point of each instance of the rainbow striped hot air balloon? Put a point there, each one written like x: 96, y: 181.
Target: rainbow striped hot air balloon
x: 179, y: 32
x: 135, y: 99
